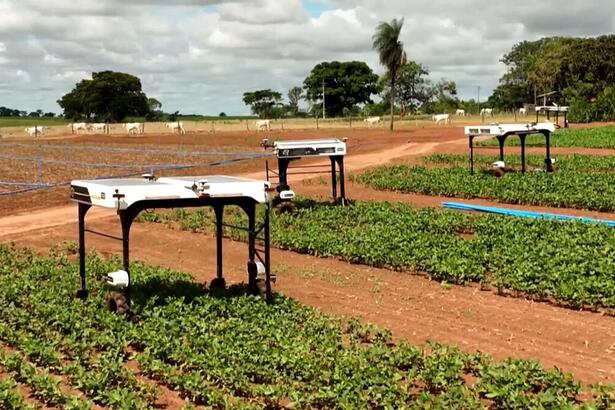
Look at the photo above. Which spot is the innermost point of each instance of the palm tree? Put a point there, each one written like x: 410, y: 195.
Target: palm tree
x: 391, y: 51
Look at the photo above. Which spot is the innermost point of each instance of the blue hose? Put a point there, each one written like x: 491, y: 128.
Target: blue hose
x: 523, y: 214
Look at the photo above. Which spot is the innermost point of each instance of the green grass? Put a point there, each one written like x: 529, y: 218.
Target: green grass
x: 227, y: 350
x: 584, y: 182
x: 10, y: 122
x: 603, y: 137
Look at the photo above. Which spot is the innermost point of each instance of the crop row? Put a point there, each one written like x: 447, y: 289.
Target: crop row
x: 603, y: 137
x: 568, y: 262
x: 583, y: 182
x: 227, y: 350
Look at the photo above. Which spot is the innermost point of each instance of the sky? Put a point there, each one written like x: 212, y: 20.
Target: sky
x: 200, y: 56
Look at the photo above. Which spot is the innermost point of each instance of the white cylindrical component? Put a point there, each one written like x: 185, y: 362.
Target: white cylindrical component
x: 118, y: 278
x: 260, y: 268
x: 498, y: 164
x: 287, y: 195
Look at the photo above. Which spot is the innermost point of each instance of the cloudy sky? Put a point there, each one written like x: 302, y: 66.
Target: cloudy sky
x: 199, y: 56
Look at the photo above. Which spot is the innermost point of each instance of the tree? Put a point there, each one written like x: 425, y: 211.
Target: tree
x: 155, y: 110
x: 262, y: 102
x: 109, y: 96
x: 9, y: 112
x: 295, y: 95
x: 580, y: 69
x: 391, y: 52
x: 173, y: 116
x: 153, y: 104
x: 222, y: 114
x: 346, y: 85
x: 516, y: 87
x: 413, y: 89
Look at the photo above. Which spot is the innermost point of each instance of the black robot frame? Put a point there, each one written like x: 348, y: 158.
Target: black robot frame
x: 337, y: 163
x: 128, y: 215
x: 522, y: 136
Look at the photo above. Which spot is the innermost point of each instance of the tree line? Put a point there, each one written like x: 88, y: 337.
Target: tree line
x: 12, y: 112
x: 351, y: 88
x: 580, y: 71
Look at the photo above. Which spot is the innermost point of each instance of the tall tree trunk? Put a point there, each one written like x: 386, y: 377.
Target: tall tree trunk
x: 392, y: 99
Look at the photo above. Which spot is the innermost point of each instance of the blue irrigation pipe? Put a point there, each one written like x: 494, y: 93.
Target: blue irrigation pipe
x: 102, y: 148
x: 524, y: 214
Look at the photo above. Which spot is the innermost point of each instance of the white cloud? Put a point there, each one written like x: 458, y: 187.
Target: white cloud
x: 201, y: 55
x: 262, y: 12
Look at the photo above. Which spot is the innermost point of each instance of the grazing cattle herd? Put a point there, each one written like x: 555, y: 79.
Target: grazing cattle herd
x: 134, y: 127
x: 177, y: 127
x: 372, y: 120
x: 486, y: 112
x: 442, y: 119
x: 263, y: 125
x: 36, y: 130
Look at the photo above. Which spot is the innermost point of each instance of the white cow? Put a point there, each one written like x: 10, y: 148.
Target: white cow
x: 36, y: 130
x: 460, y: 113
x: 263, y: 124
x: 487, y: 112
x: 98, y: 127
x: 442, y: 118
x: 373, y: 120
x: 75, y: 127
x: 522, y: 112
x: 176, y: 127
x: 134, y: 127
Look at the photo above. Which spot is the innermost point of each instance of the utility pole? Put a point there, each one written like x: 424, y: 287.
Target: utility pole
x: 324, y: 116
x: 478, y: 97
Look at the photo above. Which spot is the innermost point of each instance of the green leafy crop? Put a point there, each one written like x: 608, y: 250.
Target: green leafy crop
x: 584, y: 182
x: 603, y: 137
x: 233, y: 351
x: 572, y: 263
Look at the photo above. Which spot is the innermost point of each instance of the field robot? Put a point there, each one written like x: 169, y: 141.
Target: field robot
x: 287, y: 152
